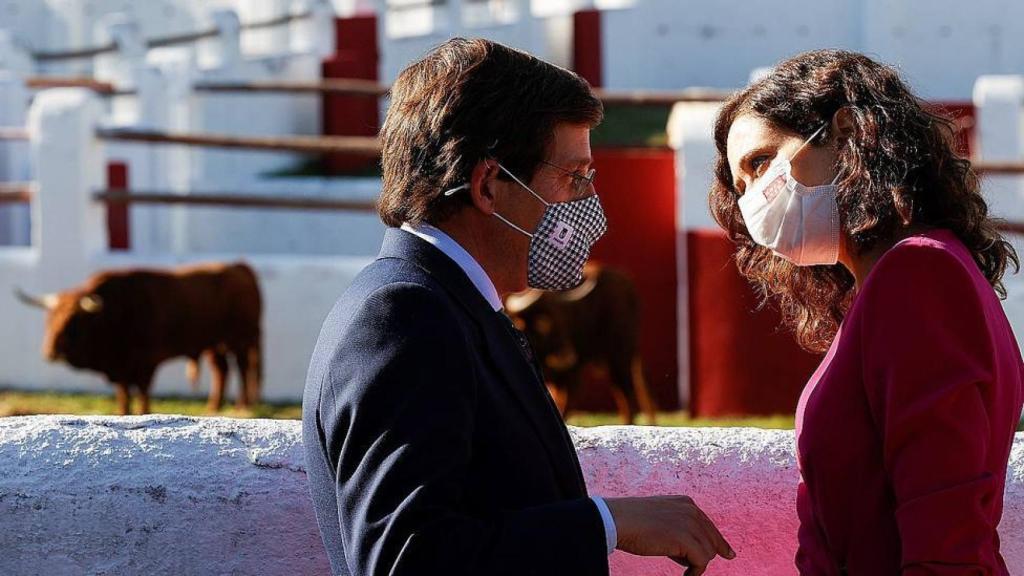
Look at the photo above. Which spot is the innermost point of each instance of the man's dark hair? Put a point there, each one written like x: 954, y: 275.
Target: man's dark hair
x: 449, y: 109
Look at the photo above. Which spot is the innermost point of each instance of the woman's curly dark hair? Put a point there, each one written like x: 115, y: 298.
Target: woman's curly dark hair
x: 897, y: 167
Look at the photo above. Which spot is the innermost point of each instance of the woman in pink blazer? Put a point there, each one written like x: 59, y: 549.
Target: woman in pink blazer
x: 850, y: 209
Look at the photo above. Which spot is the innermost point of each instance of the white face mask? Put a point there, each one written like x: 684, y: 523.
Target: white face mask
x: 798, y: 223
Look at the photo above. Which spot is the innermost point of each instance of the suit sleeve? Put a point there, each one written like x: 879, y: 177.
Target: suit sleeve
x: 399, y: 419
x: 927, y: 362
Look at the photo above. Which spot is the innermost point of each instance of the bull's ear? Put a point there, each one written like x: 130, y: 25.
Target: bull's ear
x: 91, y: 303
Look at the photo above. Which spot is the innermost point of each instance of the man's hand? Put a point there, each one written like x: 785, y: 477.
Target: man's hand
x: 670, y: 526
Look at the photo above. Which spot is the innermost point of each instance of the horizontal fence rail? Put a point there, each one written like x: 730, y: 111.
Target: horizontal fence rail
x: 233, y: 200
x: 360, y: 87
x: 171, y: 40
x: 15, y: 192
x: 660, y: 98
x: 13, y: 133
x: 998, y: 168
x: 345, y: 86
x: 1016, y: 228
x: 362, y: 145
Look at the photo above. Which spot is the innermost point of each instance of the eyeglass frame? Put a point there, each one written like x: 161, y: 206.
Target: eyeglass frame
x: 581, y: 182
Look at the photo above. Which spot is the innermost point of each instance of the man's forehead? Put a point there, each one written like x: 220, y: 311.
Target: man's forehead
x: 571, y: 144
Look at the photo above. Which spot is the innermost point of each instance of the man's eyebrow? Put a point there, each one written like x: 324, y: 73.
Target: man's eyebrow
x: 582, y: 161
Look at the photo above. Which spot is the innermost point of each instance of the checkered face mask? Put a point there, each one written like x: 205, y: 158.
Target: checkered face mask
x: 561, y: 244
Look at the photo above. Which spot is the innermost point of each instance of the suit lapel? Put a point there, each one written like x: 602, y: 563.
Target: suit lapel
x: 512, y: 367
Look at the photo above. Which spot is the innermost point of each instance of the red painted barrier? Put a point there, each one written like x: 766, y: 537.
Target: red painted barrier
x: 741, y: 361
x: 118, y: 222
x: 964, y: 119
x: 637, y: 188
x: 586, y: 45
x: 356, y: 56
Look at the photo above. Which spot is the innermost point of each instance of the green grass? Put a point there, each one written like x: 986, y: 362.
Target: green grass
x: 632, y: 127
x: 781, y: 422
x: 19, y: 403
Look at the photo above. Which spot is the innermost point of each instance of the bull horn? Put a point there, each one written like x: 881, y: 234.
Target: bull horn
x: 581, y: 291
x: 46, y: 302
x: 91, y: 303
x: 516, y: 303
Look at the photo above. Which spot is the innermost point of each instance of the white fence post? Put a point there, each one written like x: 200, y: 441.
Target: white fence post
x: 119, y: 67
x: 225, y: 51
x: 999, y: 105
x: 313, y: 35
x: 999, y: 102
x: 12, y: 56
x: 68, y: 226
x: 14, y: 218
x: 275, y: 40
x: 691, y: 135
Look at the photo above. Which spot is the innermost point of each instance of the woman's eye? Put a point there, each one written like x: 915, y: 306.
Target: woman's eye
x: 758, y: 164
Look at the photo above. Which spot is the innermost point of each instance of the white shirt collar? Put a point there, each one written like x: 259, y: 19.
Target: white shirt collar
x: 453, y: 250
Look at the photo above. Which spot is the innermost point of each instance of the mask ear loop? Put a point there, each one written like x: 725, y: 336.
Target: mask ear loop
x: 520, y: 182
x: 466, y: 186
x: 808, y: 141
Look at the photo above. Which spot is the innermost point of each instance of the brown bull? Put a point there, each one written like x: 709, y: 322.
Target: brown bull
x: 593, y: 326
x: 124, y: 324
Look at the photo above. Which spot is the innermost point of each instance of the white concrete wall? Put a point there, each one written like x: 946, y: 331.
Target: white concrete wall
x: 69, y: 243
x: 163, y: 79
x: 56, y: 25
x: 940, y: 46
x: 172, y: 494
x: 543, y: 29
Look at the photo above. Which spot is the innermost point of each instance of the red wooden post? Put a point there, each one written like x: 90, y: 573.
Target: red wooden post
x: 638, y: 193
x: 117, y: 214
x: 586, y: 45
x: 356, y: 56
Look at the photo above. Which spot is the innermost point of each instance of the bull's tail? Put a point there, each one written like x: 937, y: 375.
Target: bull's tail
x: 643, y: 394
x: 192, y: 372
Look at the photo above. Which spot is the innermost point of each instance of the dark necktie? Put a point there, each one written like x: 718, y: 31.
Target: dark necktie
x: 524, y: 345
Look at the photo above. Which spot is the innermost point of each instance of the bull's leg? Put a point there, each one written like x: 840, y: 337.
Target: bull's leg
x: 254, y: 374
x: 219, y: 369
x: 560, y: 394
x: 123, y: 400
x: 622, y: 389
x: 143, y: 399
x: 242, y: 361
x: 643, y: 393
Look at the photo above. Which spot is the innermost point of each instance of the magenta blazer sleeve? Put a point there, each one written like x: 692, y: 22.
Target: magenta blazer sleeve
x: 928, y: 367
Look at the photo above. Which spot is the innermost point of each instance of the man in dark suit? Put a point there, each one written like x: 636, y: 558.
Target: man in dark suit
x: 432, y: 446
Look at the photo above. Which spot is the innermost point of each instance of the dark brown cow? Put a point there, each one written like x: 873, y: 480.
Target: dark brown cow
x: 124, y: 324
x: 593, y: 326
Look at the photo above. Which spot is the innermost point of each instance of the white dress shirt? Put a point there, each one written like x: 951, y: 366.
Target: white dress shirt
x: 483, y: 283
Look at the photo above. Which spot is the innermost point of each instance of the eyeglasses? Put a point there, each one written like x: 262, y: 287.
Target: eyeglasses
x: 581, y: 182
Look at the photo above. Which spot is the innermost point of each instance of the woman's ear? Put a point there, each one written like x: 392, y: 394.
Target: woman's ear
x: 481, y: 186
x: 843, y: 123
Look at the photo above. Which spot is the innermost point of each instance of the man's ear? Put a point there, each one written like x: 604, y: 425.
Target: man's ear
x: 481, y: 185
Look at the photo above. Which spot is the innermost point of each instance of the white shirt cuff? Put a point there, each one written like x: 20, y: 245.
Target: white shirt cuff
x: 611, y: 536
